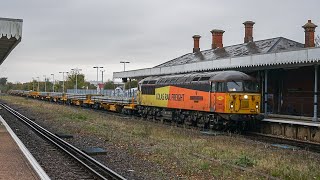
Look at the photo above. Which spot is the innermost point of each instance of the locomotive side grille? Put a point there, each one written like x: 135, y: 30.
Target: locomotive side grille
x: 244, y: 104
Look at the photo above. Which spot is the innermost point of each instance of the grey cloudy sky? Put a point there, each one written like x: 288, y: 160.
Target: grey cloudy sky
x: 60, y: 35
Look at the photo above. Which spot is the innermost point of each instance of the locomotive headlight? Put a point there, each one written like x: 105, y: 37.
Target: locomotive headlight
x: 257, y: 106
x: 245, y: 96
x: 231, y: 105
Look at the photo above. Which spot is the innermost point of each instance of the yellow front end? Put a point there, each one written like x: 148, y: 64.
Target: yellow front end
x: 243, y: 103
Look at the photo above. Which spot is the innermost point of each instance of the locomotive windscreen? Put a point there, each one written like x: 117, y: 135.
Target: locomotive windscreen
x: 242, y: 86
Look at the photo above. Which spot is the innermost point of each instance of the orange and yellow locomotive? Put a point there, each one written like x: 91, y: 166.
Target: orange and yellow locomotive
x: 201, y: 99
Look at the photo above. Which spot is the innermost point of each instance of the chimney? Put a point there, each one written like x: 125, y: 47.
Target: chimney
x: 217, y: 38
x: 196, y: 46
x: 248, y: 26
x: 309, y: 29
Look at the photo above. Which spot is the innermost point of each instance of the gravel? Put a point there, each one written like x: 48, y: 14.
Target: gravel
x: 55, y: 164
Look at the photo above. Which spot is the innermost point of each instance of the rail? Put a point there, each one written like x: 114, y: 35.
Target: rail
x: 91, y: 164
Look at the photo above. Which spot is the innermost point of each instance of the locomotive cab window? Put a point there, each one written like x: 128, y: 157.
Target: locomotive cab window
x: 242, y: 86
x: 220, y: 87
x: 213, y: 87
x: 251, y: 86
x: 235, y: 86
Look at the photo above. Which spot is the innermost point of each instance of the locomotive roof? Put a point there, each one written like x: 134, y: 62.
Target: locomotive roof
x: 192, y: 77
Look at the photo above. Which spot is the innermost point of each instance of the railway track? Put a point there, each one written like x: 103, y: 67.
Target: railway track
x: 99, y: 170
x: 272, y: 139
x: 284, y: 142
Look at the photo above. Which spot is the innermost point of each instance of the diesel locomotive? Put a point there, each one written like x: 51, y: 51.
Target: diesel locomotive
x: 211, y: 99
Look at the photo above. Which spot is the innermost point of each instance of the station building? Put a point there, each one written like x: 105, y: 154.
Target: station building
x: 287, y: 70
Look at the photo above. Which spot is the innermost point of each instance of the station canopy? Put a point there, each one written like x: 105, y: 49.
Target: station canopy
x: 10, y: 36
x: 258, y: 55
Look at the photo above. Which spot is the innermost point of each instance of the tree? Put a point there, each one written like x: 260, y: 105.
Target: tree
x: 3, y: 81
x: 133, y: 84
x: 109, y: 85
x: 90, y: 86
x: 71, y: 81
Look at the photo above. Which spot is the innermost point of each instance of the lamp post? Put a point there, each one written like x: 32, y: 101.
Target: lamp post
x: 63, y: 80
x: 76, y: 71
x: 102, y: 71
x: 124, y: 69
x: 38, y: 83
x: 45, y: 83
x: 98, y: 76
x: 52, y: 82
x: 32, y: 84
x: 124, y: 64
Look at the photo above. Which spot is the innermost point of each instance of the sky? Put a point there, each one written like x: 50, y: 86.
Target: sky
x: 65, y: 34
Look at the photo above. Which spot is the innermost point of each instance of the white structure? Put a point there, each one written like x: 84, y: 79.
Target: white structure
x: 257, y: 61
x: 10, y: 36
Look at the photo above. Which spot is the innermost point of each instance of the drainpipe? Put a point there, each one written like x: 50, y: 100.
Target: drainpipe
x: 315, y: 104
x: 265, y: 92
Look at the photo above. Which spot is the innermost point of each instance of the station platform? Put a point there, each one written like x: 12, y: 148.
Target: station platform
x: 293, y: 127
x: 293, y: 120
x: 16, y: 162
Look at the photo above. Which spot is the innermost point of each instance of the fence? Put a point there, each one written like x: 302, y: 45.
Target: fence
x: 106, y: 92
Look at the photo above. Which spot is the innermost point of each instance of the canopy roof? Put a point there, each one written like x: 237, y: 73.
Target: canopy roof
x: 284, y: 59
x: 10, y: 36
x: 264, y: 54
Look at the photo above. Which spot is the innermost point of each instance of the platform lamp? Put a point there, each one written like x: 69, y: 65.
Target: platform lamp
x: 52, y: 82
x: 76, y: 70
x: 97, y: 67
x: 63, y: 79
x: 124, y: 69
x: 124, y: 64
x: 38, y: 83
x: 45, y: 83
x: 32, y: 84
x: 102, y: 71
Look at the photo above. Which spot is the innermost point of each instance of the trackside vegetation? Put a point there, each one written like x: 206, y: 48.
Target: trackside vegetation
x: 185, y: 152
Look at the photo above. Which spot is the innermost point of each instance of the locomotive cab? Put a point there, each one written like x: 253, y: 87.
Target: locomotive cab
x: 237, y: 99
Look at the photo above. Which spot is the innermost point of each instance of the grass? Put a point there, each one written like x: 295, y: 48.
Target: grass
x: 174, y: 148
x: 245, y: 161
